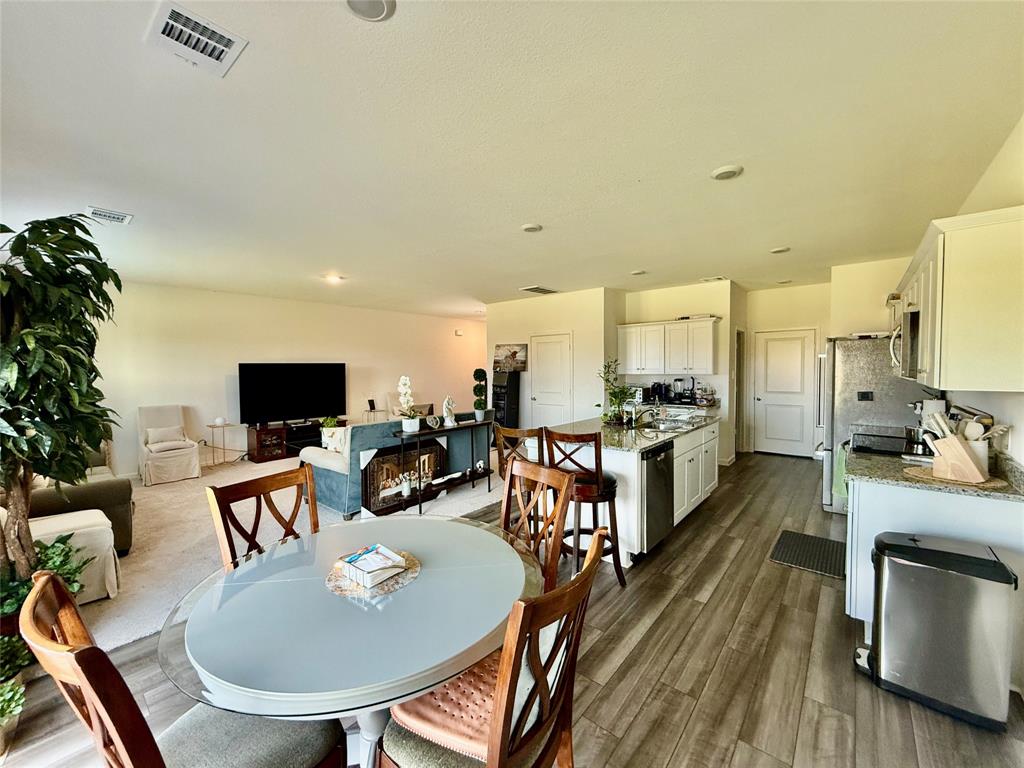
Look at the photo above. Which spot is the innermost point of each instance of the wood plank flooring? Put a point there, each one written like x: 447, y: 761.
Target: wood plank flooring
x: 711, y: 656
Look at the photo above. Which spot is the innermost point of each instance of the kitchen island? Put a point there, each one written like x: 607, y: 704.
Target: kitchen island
x: 645, y: 507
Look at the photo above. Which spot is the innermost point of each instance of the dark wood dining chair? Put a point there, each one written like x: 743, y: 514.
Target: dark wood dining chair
x: 533, y: 508
x: 226, y: 522
x: 54, y: 630
x: 513, y: 708
x: 511, y: 443
x: 591, y: 485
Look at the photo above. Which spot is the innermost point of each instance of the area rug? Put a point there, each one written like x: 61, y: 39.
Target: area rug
x: 810, y: 553
x: 174, y: 547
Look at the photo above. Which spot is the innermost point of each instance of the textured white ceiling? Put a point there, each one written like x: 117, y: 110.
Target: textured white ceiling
x: 407, y: 154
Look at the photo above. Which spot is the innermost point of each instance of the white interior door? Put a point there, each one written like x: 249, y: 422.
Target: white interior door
x: 551, y: 379
x: 784, y: 392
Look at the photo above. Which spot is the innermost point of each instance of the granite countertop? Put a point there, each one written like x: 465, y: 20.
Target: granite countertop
x: 888, y: 470
x: 618, y: 438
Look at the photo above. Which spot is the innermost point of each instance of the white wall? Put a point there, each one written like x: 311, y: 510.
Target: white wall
x: 580, y: 313
x: 668, y: 304
x: 858, y: 292
x: 175, y: 345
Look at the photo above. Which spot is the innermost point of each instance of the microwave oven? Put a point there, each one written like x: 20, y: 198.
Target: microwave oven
x: 904, y: 344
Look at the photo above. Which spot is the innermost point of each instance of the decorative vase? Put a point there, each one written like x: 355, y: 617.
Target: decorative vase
x: 479, y: 414
x: 411, y: 425
x: 406, y: 488
x: 330, y: 438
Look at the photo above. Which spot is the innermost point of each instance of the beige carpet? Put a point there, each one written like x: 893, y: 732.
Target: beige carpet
x: 174, y: 546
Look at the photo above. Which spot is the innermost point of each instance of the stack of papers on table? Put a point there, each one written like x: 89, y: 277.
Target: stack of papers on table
x: 371, y: 565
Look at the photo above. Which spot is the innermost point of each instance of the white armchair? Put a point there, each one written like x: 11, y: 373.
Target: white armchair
x: 165, y: 452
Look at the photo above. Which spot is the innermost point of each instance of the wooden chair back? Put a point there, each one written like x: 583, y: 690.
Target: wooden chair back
x: 532, y: 714
x: 534, y: 507
x: 227, y: 524
x: 54, y: 630
x: 511, y: 443
x: 566, y: 452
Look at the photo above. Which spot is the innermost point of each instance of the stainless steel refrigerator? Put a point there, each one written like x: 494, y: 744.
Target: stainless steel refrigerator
x: 860, y: 386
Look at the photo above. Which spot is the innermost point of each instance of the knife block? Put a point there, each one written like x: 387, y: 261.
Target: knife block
x: 954, y: 460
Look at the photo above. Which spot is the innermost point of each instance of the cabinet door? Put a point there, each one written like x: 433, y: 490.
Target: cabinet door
x: 701, y: 347
x: 629, y: 350
x: 652, y: 341
x: 709, y: 467
x: 679, y: 488
x: 694, y: 489
x: 677, y: 346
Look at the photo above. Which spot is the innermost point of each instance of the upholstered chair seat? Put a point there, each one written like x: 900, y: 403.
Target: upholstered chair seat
x: 205, y: 737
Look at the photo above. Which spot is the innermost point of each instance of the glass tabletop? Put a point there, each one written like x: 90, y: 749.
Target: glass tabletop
x: 269, y: 638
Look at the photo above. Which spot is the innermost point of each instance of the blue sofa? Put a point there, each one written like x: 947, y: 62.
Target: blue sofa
x: 339, y: 484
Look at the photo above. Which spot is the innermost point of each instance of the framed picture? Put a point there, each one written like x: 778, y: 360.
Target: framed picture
x: 510, y: 357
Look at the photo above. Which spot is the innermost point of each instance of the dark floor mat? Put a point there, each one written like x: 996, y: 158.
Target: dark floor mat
x: 810, y: 553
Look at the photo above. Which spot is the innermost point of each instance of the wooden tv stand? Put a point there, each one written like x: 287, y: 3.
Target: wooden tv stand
x: 268, y: 442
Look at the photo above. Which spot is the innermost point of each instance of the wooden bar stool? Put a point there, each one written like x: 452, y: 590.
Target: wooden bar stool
x: 590, y: 486
x: 511, y: 444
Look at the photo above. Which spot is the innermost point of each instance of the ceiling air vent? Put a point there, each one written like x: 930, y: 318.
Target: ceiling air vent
x: 538, y: 289
x: 109, y: 216
x: 714, y: 279
x: 195, y: 39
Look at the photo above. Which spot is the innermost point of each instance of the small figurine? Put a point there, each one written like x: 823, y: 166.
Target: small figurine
x: 449, y: 411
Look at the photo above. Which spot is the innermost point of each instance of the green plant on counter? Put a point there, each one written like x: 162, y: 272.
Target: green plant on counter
x: 14, y: 656
x: 59, y: 557
x: 12, y: 699
x: 480, y: 389
x: 329, y: 423
x: 617, y: 394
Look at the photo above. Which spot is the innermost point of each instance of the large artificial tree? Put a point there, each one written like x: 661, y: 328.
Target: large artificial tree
x: 53, y: 295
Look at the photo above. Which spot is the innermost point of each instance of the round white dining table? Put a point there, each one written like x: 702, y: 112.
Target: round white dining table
x: 269, y: 638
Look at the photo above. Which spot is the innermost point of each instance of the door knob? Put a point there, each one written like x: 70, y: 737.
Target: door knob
x: 533, y: 398
x: 758, y: 399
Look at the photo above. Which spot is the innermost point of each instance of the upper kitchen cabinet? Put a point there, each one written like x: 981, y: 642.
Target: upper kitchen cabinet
x: 690, y: 347
x: 962, y: 302
x: 642, y: 348
x: 686, y: 346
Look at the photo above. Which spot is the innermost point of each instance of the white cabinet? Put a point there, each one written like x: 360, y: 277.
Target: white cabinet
x: 709, y: 467
x: 694, y: 487
x: 652, y: 348
x: 642, y: 348
x: 966, y: 283
x: 679, y: 488
x: 678, y: 347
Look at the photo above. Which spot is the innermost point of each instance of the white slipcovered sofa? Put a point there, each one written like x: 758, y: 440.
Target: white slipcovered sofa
x: 166, y: 454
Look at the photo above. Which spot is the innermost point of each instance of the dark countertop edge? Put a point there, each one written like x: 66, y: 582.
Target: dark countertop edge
x: 890, y: 476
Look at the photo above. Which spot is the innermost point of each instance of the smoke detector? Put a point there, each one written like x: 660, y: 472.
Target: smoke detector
x: 538, y: 289
x: 109, y: 216
x: 197, y: 40
x: 715, y: 279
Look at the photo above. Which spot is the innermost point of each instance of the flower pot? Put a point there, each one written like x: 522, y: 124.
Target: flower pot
x: 478, y: 414
x: 411, y: 425
x: 330, y: 438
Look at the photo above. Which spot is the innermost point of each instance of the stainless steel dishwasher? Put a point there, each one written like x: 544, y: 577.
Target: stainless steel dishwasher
x: 656, y: 487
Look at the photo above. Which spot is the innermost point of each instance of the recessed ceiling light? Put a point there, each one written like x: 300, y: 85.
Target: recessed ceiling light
x: 531, y: 227
x: 638, y: 272
x: 715, y: 279
x: 372, y: 10
x: 333, y: 279
x: 780, y: 249
x: 783, y: 282
x: 726, y: 172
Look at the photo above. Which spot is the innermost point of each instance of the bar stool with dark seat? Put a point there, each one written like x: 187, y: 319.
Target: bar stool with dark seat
x: 590, y: 486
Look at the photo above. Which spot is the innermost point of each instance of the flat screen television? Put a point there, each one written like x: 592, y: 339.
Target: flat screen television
x: 290, y: 391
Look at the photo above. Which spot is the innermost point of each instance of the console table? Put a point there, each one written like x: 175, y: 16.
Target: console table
x: 433, y: 490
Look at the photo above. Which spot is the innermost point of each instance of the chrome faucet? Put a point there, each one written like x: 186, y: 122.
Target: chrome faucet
x: 639, y: 413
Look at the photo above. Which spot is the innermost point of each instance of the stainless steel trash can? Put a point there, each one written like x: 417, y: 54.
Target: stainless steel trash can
x: 942, y: 625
